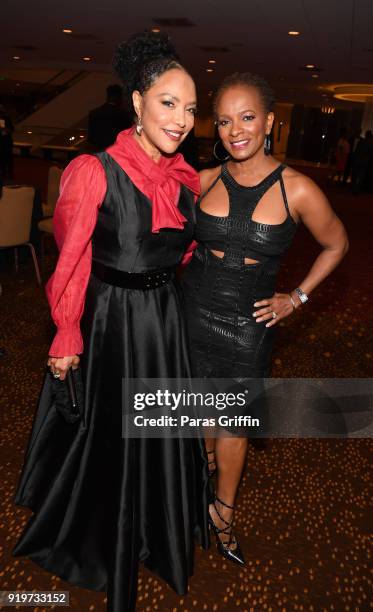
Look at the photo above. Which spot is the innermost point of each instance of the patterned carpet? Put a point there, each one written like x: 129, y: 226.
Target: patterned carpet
x: 303, y: 508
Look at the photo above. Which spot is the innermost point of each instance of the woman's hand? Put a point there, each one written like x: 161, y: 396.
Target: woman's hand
x: 280, y: 304
x: 60, y: 365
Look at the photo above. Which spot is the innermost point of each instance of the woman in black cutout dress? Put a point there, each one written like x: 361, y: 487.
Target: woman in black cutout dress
x: 244, y: 225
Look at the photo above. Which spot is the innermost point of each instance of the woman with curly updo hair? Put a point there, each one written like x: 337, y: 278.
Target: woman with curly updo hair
x: 104, y: 502
x: 246, y: 219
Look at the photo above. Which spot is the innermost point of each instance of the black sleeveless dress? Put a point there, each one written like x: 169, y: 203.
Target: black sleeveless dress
x: 101, y: 502
x: 220, y: 293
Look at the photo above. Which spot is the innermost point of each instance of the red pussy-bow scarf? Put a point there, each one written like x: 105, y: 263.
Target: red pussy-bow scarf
x: 160, y: 182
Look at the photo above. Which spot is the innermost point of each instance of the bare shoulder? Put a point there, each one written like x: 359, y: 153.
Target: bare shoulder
x: 208, y: 176
x: 301, y: 189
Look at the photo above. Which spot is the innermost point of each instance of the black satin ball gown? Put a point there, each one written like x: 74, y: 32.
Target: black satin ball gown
x: 219, y: 293
x: 103, y: 503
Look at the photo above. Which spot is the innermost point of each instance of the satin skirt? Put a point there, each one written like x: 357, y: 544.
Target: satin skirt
x: 103, y: 503
x: 225, y: 339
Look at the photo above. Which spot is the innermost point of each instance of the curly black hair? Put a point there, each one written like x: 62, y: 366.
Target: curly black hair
x: 251, y: 80
x: 142, y: 59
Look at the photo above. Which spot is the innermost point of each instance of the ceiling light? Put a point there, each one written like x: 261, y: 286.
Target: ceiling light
x: 67, y: 31
x: 315, y: 76
x: 293, y: 33
x: 16, y: 57
x: 87, y: 59
x: 209, y: 70
x: 212, y: 61
x: 310, y: 66
x: 353, y: 92
x: 29, y: 132
x: 155, y: 30
x: 328, y: 110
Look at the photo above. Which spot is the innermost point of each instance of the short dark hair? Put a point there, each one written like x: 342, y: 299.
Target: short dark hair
x: 142, y: 59
x: 251, y: 80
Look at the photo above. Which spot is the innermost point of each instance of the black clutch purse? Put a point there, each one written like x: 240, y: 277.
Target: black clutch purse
x: 68, y: 395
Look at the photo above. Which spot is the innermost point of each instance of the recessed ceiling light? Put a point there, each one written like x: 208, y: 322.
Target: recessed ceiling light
x: 293, y: 33
x: 67, y: 31
x: 29, y: 132
x: 212, y: 61
x: 310, y: 66
x: 156, y: 30
x: 87, y: 59
x: 209, y: 70
x: 315, y: 76
x: 16, y: 57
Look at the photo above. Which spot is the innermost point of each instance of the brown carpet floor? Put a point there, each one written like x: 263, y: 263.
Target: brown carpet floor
x: 303, y: 509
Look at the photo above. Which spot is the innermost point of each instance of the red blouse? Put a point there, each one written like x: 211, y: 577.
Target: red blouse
x: 82, y: 191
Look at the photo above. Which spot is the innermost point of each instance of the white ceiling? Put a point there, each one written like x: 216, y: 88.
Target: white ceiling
x: 336, y: 35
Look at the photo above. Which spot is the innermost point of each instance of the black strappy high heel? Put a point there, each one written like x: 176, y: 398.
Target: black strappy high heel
x: 212, y: 471
x: 232, y: 554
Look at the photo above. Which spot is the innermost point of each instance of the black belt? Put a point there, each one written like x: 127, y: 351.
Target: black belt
x: 132, y: 280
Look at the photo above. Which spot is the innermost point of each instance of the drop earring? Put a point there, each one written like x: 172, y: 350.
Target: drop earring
x: 139, y: 126
x: 267, y: 144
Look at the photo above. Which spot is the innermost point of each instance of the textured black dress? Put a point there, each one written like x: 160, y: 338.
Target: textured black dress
x: 220, y: 293
x: 102, y: 502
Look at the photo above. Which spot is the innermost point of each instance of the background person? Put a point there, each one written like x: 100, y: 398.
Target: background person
x: 106, y: 121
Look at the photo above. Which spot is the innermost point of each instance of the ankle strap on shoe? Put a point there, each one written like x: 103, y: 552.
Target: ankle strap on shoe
x: 223, y: 503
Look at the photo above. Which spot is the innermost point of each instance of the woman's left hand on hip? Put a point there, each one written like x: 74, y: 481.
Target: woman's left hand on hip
x: 273, y: 309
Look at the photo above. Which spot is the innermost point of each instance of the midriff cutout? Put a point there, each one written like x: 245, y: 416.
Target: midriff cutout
x: 247, y: 260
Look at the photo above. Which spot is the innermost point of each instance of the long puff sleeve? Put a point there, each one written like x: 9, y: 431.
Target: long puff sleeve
x: 82, y: 190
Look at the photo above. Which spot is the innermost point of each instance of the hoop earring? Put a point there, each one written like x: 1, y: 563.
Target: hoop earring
x: 267, y: 144
x: 139, y: 126
x: 222, y: 159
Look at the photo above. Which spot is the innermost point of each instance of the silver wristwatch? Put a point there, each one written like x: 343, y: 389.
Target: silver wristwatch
x: 302, y: 296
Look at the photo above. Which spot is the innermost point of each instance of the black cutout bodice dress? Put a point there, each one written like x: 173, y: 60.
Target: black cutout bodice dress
x: 220, y: 293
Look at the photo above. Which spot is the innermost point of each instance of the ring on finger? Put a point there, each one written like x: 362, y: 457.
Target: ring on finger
x: 274, y: 314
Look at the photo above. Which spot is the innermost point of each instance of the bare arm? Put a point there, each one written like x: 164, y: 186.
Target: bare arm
x: 318, y: 216
x: 313, y: 208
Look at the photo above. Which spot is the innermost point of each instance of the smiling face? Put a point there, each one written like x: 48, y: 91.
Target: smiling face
x: 243, y: 121
x: 166, y: 110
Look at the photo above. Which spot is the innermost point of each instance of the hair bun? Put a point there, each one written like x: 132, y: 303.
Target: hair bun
x: 139, y: 50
